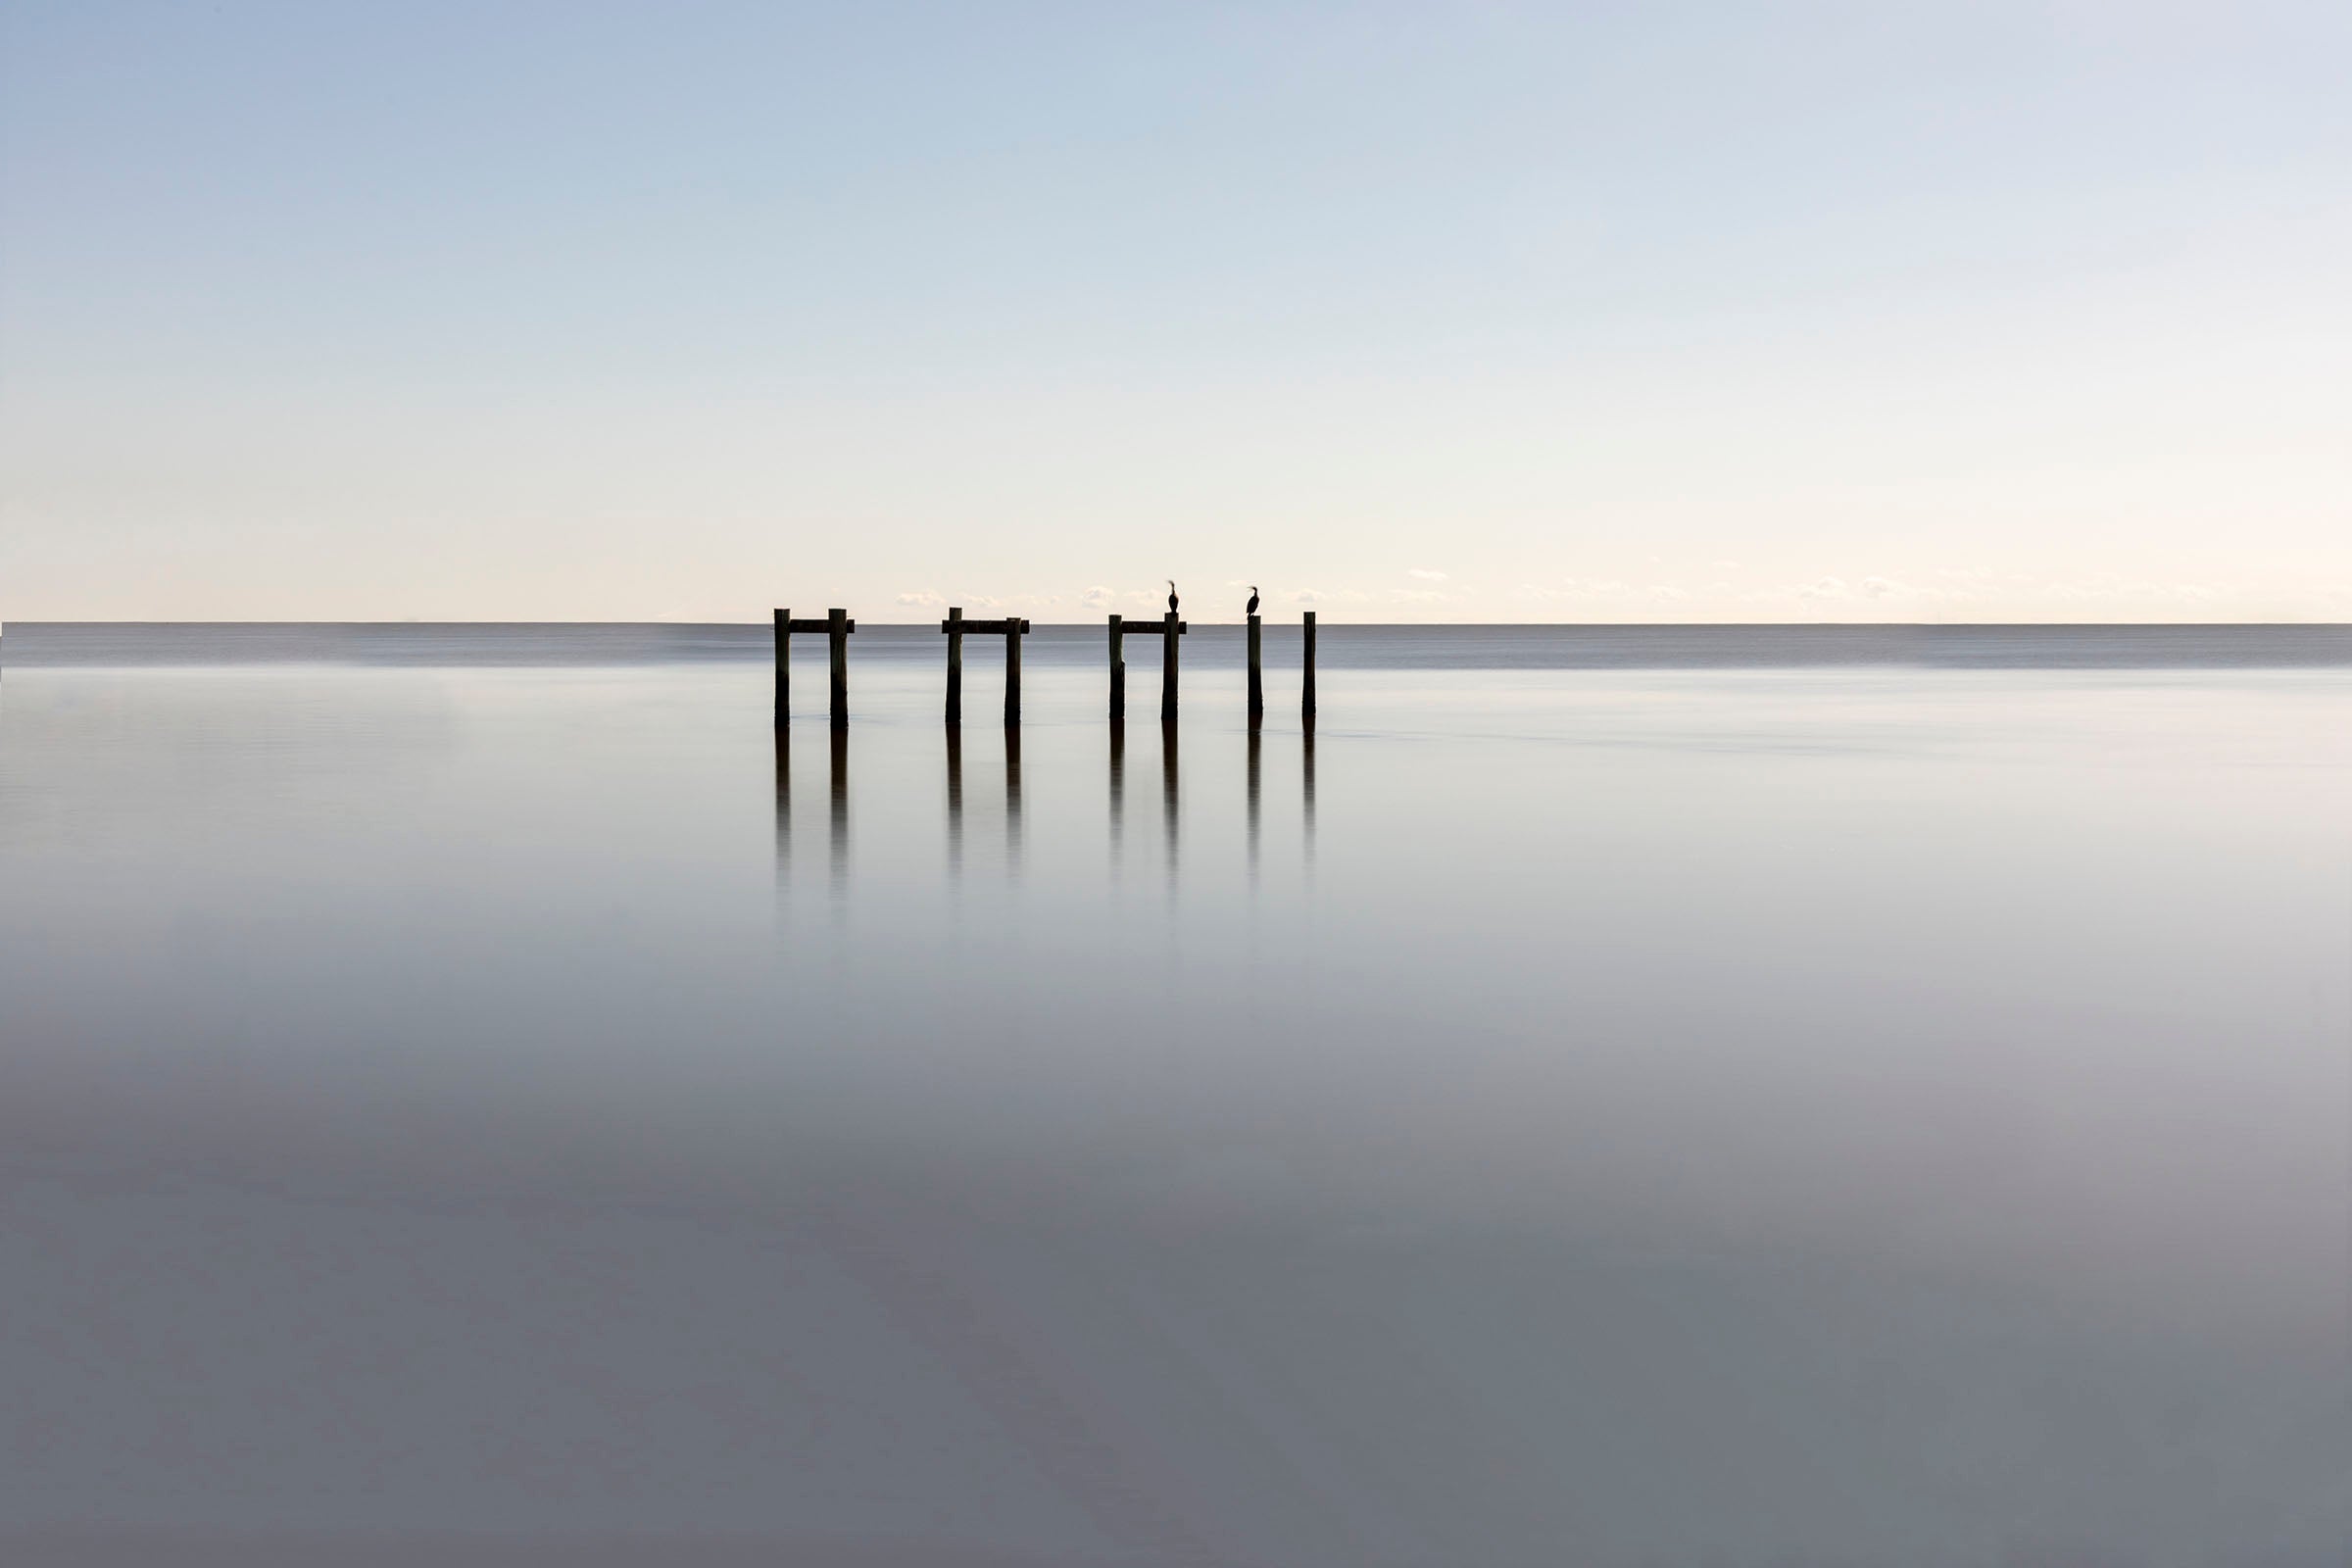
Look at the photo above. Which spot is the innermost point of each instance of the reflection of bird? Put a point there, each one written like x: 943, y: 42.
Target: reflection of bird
x: 1171, y: 595
x: 1253, y: 610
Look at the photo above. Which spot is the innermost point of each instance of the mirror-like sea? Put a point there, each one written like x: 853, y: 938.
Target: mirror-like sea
x: 1608, y: 1097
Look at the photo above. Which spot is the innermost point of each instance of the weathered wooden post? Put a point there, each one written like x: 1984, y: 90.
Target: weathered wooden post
x: 783, y: 668
x: 1170, y: 629
x: 953, y: 627
x: 1118, y: 669
x: 1257, y: 679
x: 838, y: 628
x: 1014, y: 629
x: 1307, y: 697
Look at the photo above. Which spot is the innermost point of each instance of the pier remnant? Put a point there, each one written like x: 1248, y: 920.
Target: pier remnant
x: 837, y: 626
x: 1013, y: 629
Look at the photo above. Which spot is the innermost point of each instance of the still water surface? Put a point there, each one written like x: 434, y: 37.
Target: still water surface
x: 475, y: 1095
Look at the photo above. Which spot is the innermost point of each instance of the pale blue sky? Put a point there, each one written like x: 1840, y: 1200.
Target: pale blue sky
x: 1443, y: 311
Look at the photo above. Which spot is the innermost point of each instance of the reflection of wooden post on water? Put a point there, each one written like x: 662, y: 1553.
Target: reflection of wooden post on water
x: 1012, y: 794
x: 1256, y: 744
x: 956, y: 799
x: 837, y: 626
x: 1167, y: 780
x: 783, y: 795
x: 1257, y: 679
x: 1118, y: 784
x: 1307, y: 777
x: 841, y: 807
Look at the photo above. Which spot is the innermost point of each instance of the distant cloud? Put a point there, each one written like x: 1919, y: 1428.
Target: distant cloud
x: 1725, y: 566
x: 1589, y: 588
x: 1098, y: 598
x: 1427, y: 575
x: 1308, y: 596
x: 922, y: 596
x: 1823, y: 588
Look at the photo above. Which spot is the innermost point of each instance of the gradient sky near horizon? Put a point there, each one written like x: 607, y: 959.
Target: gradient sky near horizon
x: 532, y: 311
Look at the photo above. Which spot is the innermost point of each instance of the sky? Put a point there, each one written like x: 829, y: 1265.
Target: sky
x: 1459, y: 311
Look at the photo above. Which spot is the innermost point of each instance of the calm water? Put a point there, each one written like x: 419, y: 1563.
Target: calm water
x: 1709, y: 1096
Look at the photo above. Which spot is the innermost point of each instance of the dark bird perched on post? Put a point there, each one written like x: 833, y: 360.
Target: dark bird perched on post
x: 1171, y: 595
x: 1252, y: 610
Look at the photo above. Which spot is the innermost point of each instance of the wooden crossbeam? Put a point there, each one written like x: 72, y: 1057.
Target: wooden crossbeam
x: 1143, y: 629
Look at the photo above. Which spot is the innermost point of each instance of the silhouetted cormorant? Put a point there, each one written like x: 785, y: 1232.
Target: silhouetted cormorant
x: 1253, y: 610
x: 1171, y: 595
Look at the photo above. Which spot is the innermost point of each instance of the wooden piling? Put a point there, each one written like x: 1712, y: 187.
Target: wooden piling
x: 1307, y: 696
x: 1257, y: 677
x: 1118, y: 669
x: 1013, y: 629
x: 783, y: 668
x: 953, y: 627
x: 1172, y: 628
x: 837, y: 627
